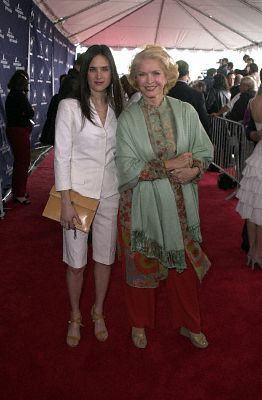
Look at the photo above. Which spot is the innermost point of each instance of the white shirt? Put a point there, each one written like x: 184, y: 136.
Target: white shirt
x: 232, y: 102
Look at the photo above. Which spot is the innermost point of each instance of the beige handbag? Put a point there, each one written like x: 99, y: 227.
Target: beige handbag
x: 85, y: 207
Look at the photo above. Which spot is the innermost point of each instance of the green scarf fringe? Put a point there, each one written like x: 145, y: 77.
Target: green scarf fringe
x: 149, y: 248
x: 195, y: 233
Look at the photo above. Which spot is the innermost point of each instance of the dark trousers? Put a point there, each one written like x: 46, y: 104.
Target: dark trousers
x: 183, y: 305
x: 19, y: 139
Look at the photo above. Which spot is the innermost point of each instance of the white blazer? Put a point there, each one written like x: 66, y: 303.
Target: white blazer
x: 85, y: 154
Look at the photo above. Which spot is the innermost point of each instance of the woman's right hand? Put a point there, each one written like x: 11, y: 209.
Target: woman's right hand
x: 184, y: 160
x: 68, y: 213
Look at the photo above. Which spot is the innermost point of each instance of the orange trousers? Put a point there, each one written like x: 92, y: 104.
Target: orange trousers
x: 182, y: 291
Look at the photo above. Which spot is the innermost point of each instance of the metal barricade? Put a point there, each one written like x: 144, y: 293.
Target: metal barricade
x: 231, y: 147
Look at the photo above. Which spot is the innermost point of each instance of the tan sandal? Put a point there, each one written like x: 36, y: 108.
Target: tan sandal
x: 197, y: 339
x: 101, y: 335
x: 73, y: 340
x: 139, y: 339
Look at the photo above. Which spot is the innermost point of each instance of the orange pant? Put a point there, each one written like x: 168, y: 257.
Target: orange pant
x: 182, y: 291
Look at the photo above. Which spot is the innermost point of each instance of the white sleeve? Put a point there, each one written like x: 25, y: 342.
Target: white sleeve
x: 63, y: 145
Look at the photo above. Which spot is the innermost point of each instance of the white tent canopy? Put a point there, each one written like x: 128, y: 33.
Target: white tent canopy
x: 190, y: 24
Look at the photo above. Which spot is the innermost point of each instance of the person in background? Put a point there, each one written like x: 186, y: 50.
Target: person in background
x: 255, y: 137
x: 131, y: 95
x: 128, y: 90
x: 235, y: 89
x: 235, y: 108
x: 162, y: 152
x: 19, y: 114
x: 69, y: 87
x: 231, y: 79
x: 47, y: 136
x: 245, y: 71
x: 250, y: 192
x: 209, y: 79
x: 182, y: 91
x: 253, y: 72
x: 199, y: 85
x: 247, y: 92
x: 85, y: 162
x: 249, y: 61
x: 74, y: 72
x: 223, y: 67
x: 230, y: 67
x: 218, y: 95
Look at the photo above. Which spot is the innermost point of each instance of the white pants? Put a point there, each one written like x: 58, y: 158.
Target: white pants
x: 104, y: 231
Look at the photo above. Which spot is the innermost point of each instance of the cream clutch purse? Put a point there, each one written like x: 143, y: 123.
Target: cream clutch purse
x: 85, y: 207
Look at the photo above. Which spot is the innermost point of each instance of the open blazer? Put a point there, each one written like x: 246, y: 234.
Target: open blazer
x: 84, y: 152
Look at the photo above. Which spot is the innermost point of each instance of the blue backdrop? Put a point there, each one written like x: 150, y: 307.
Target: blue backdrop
x: 29, y: 41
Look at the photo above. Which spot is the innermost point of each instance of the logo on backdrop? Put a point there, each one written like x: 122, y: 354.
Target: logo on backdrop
x: 38, y: 23
x: 5, y: 63
x: 49, y: 75
x: 2, y: 93
x: 46, y: 52
x: 34, y: 98
x: 32, y: 42
x: 5, y: 148
x: 11, y: 36
x: 50, y: 36
x: 41, y: 75
x: 36, y: 118
x: 2, y: 126
x: 20, y: 12
x: 32, y: 73
x: 9, y: 168
x: 32, y: 17
x: 41, y: 55
x: 17, y: 63
x: 45, y: 29
x: 43, y: 102
x: 7, y: 6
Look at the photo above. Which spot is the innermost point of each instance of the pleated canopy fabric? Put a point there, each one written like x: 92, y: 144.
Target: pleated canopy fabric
x: 190, y: 24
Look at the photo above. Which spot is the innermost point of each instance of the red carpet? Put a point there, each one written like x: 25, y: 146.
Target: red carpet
x: 35, y: 362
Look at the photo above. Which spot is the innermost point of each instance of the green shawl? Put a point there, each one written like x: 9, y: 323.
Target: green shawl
x: 156, y: 230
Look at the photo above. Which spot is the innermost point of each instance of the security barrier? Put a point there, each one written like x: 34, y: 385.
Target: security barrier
x: 231, y: 147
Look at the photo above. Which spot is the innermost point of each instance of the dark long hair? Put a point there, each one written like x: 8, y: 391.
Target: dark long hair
x: 19, y: 81
x: 220, y: 82
x: 114, y: 91
x: 69, y: 88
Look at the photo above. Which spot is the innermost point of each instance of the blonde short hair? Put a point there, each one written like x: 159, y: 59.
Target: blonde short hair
x: 157, y: 53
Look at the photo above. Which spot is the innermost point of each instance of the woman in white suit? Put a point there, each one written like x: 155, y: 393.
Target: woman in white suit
x: 85, y: 162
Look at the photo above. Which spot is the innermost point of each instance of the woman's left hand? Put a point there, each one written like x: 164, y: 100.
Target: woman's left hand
x: 184, y: 175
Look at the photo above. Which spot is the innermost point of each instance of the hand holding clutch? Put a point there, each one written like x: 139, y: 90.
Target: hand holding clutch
x: 84, y: 207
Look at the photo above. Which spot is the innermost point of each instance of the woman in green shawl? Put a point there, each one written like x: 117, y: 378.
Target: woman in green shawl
x: 162, y: 151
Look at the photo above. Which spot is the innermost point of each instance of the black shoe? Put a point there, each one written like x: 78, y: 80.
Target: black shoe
x: 22, y: 201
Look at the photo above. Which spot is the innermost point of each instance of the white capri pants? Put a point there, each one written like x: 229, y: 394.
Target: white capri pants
x: 104, y: 231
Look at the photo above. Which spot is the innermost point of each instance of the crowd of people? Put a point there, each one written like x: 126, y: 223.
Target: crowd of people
x: 139, y: 145
x: 227, y: 91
